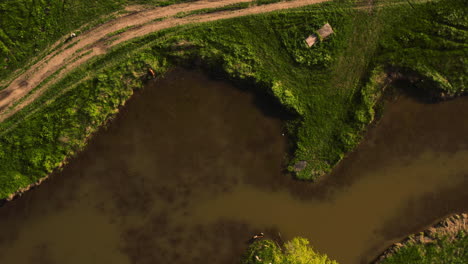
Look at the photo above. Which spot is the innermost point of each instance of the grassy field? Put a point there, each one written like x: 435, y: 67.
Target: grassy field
x: 440, y: 251
x: 29, y: 27
x: 429, y: 41
x: 331, y: 88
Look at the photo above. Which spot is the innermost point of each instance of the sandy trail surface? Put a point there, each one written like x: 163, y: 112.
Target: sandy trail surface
x: 93, y: 43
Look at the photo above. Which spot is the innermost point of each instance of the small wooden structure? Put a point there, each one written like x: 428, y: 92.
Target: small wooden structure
x: 310, y: 40
x: 323, y: 33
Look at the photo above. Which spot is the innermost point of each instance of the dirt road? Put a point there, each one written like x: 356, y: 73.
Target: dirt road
x: 93, y: 43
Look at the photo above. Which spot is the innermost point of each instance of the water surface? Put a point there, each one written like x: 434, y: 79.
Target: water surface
x: 192, y: 167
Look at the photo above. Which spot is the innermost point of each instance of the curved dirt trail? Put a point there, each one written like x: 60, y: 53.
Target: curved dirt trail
x: 93, y: 43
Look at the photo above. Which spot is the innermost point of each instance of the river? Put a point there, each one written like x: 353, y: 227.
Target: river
x: 192, y: 167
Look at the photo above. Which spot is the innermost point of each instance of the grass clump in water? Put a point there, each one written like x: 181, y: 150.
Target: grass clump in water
x: 296, y: 251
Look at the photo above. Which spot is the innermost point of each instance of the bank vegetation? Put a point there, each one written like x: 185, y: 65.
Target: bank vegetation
x: 330, y: 89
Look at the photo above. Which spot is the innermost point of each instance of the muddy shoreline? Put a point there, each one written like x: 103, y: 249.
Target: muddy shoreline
x: 66, y: 160
x: 394, y: 77
x: 449, y: 226
x: 216, y: 75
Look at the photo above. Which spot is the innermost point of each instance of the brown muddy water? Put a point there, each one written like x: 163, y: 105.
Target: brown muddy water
x: 192, y: 168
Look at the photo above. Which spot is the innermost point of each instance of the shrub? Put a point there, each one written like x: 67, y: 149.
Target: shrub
x: 296, y: 251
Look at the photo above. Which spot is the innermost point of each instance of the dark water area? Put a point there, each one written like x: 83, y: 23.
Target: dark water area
x: 192, y: 168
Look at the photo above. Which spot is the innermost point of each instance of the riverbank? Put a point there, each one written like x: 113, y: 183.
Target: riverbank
x: 444, y: 242
x: 330, y: 88
x: 119, y: 73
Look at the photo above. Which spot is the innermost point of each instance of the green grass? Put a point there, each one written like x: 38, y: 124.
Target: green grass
x: 430, y: 41
x: 331, y: 88
x: 118, y: 32
x: 29, y: 27
x: 160, y: 2
x: 440, y: 251
x: 270, y: 50
x: 296, y: 251
x: 266, y: 2
x: 62, y: 119
x: 213, y: 10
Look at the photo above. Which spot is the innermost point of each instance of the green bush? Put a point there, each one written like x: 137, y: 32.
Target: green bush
x: 296, y: 251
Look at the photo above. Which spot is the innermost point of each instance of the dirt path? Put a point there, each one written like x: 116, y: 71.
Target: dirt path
x: 93, y: 43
